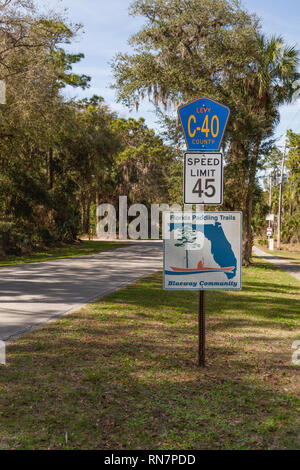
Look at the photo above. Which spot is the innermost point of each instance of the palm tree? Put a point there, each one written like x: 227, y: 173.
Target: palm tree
x: 269, y: 83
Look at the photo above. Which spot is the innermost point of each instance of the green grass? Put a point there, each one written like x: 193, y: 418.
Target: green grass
x: 293, y: 256
x: 68, y: 251
x: 122, y: 373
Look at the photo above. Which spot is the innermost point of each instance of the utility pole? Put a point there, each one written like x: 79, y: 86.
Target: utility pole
x: 280, y: 197
x: 270, y: 198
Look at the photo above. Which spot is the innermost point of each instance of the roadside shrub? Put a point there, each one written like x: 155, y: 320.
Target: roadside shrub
x: 14, y: 239
x: 262, y: 242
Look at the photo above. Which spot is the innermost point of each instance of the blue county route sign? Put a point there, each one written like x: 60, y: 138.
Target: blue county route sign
x: 202, y: 250
x: 204, y: 122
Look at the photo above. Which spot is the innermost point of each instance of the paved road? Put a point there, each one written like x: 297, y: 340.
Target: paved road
x: 284, y: 264
x: 35, y: 293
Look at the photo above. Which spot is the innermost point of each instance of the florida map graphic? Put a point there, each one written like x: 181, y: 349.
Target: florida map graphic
x: 202, y: 249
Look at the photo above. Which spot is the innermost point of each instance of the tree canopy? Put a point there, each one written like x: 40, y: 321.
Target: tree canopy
x: 58, y: 157
x: 214, y: 48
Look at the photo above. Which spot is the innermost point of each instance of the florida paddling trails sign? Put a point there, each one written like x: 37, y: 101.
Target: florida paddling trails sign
x: 203, y: 178
x: 204, y: 122
x: 202, y: 250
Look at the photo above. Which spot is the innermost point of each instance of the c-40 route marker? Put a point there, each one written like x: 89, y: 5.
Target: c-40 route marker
x: 204, y: 123
x: 203, y: 178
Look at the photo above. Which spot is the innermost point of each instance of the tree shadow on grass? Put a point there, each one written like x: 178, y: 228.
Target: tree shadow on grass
x: 261, y: 264
x: 117, y: 375
x: 149, y: 297
x: 270, y: 287
x: 118, y: 388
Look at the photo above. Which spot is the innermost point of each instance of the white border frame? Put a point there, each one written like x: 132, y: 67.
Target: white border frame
x: 197, y: 152
x: 209, y: 288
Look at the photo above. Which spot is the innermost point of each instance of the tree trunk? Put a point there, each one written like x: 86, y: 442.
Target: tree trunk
x: 85, y: 219
x: 83, y: 212
x: 51, y: 169
x: 235, y: 174
x: 97, y: 203
x: 247, y: 233
x: 291, y: 199
x: 88, y: 216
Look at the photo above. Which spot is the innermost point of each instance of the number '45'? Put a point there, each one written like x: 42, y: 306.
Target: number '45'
x: 209, y: 190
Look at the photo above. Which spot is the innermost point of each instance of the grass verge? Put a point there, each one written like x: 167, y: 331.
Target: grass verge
x: 122, y: 374
x: 68, y: 251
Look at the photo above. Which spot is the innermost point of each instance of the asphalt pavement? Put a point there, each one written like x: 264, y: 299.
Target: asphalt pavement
x: 33, y: 294
x: 284, y: 264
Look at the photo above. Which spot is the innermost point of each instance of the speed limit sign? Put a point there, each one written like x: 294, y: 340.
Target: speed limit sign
x: 203, y: 178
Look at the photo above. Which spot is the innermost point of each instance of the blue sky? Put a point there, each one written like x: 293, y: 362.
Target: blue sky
x: 107, y: 28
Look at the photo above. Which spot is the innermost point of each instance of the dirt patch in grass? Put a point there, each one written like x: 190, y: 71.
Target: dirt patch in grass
x: 122, y: 373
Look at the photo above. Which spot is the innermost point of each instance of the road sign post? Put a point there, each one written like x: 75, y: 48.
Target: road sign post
x: 201, y: 326
x: 203, y: 251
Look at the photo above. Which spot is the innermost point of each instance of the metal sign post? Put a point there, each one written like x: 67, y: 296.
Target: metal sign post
x: 201, y: 324
x: 201, y: 318
x: 202, y: 250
